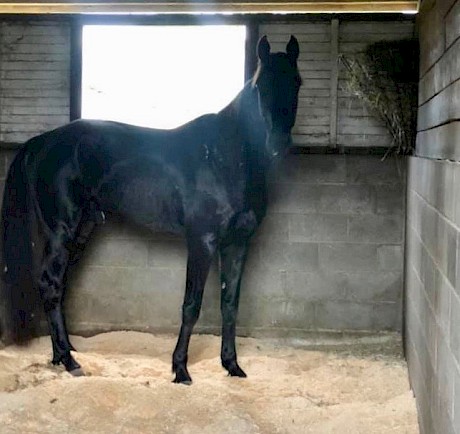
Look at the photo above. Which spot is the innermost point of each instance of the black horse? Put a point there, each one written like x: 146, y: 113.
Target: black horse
x: 205, y: 180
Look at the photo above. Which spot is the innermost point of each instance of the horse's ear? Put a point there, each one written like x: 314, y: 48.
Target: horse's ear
x: 263, y: 49
x: 292, y: 49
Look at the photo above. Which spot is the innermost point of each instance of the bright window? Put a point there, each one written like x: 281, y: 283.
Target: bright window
x: 160, y: 76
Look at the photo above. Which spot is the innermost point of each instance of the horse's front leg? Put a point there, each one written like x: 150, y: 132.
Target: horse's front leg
x: 232, y: 259
x: 201, y: 250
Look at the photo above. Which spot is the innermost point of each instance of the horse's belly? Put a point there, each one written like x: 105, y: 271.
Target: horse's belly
x: 150, y: 199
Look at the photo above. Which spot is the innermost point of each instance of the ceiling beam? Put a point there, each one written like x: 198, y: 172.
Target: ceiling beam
x: 205, y: 6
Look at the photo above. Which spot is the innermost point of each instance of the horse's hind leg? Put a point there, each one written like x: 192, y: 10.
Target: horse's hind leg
x: 52, y: 286
x: 232, y: 259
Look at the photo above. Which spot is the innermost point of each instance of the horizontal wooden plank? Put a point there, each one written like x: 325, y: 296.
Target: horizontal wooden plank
x: 61, y: 83
x: 310, y: 139
x: 33, y: 57
x: 314, y: 65
x: 313, y: 111
x: 10, y: 119
x: 374, y: 37
x: 32, y: 128
x: 32, y: 109
x: 17, y: 137
x: 305, y: 56
x: 442, y: 108
x: 309, y: 130
x: 35, y: 65
x: 39, y: 103
x: 314, y: 102
x: 363, y: 140
x: 314, y: 84
x: 36, y: 93
x: 362, y: 129
x: 305, y: 47
x: 306, y: 92
x: 359, y: 122
x: 29, y: 39
x: 440, y: 142
x: 306, y: 75
x: 443, y: 73
x: 294, y: 29
x: 35, y: 49
x: 36, y: 75
x: 301, y: 38
x: 312, y: 121
x: 365, y: 27
x: 51, y: 29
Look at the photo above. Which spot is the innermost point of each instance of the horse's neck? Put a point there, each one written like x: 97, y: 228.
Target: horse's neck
x: 243, y: 113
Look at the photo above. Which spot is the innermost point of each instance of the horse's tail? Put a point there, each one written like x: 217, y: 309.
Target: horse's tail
x: 18, y: 321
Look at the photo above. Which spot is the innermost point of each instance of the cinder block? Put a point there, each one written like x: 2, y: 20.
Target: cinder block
x: 274, y: 255
x: 293, y: 198
x: 170, y: 254
x: 261, y: 281
x: 390, y: 198
x: 375, y: 229
x: 346, y: 199
x: 372, y: 170
x: 456, y: 418
x: 274, y: 227
x: 294, y: 313
x: 387, y: 316
x: 454, y: 327
x: 316, y: 286
x: 414, y: 251
x: 348, y: 257
x: 317, y: 227
x: 313, y: 169
x: 445, y: 374
x: 118, y: 252
x: 442, y: 303
x: 344, y: 315
x: 374, y: 286
x: 158, y: 284
x: 391, y: 257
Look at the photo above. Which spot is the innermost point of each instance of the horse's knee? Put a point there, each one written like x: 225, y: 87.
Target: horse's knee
x: 190, y: 314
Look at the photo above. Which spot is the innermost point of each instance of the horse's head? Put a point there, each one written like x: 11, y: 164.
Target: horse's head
x: 277, y: 81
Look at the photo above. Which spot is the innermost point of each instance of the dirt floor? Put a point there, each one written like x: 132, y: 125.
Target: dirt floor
x: 128, y: 389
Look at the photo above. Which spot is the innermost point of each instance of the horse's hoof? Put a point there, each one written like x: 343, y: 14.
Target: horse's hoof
x: 184, y: 382
x: 77, y: 372
x: 234, y: 370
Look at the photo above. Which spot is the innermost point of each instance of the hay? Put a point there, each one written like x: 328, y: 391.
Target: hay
x: 385, y: 77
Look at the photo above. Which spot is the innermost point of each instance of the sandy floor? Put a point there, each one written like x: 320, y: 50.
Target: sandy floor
x: 128, y: 389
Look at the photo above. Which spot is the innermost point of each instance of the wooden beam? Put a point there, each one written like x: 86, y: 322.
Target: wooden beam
x: 334, y: 81
x: 206, y: 6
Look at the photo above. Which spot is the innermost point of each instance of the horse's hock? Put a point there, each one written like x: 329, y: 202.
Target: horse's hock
x: 329, y: 255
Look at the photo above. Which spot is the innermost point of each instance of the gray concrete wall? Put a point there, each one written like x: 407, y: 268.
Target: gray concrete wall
x: 329, y: 255
x: 433, y: 225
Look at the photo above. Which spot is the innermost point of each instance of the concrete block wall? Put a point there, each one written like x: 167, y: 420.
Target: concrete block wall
x: 329, y: 255
x: 432, y: 309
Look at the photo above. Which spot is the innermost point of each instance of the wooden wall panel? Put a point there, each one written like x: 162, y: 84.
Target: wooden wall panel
x: 34, y: 78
